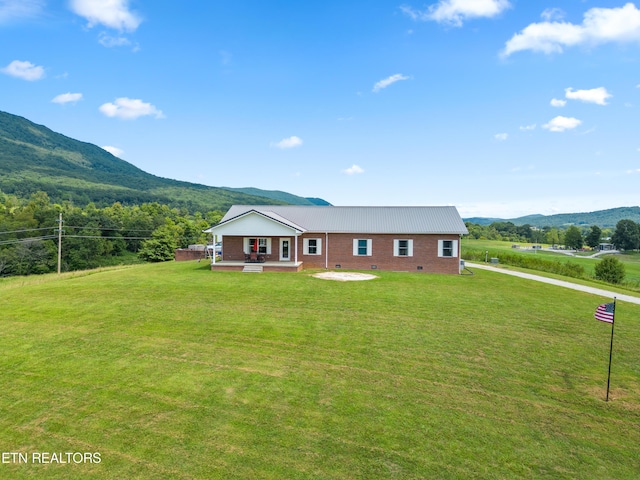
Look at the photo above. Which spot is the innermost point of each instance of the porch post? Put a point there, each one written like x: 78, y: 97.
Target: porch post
x: 296, y: 249
x: 213, y: 256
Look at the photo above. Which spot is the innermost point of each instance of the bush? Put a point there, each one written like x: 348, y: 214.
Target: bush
x: 610, y: 269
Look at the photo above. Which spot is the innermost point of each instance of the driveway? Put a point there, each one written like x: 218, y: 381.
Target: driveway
x: 560, y: 283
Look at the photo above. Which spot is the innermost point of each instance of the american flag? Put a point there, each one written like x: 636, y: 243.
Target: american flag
x: 605, y: 312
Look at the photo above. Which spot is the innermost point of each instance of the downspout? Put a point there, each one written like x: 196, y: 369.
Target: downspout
x: 326, y: 250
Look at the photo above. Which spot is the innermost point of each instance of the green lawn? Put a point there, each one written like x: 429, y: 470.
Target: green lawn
x: 630, y: 260
x: 172, y: 371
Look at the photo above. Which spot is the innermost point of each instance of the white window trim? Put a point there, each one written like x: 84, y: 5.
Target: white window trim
x: 369, y: 249
x: 396, y: 247
x: 454, y: 248
x: 246, y: 245
x: 305, y: 246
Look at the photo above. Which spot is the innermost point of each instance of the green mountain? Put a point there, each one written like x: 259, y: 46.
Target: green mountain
x: 34, y: 158
x: 280, y: 196
x: 603, y: 218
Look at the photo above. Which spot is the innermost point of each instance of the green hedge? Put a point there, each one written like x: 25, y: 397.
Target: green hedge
x: 533, y: 262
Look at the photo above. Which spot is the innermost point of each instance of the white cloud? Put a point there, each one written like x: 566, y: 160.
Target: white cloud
x: 24, y: 70
x: 595, y: 95
x: 551, y: 14
x: 389, y: 81
x: 527, y: 128
x: 353, y: 169
x: 600, y: 25
x: 67, y: 98
x: 109, y: 41
x: 115, y: 151
x: 501, y: 136
x: 555, y: 102
x: 560, y: 124
x: 454, y: 12
x: 637, y: 170
x: 14, y: 9
x: 290, y: 142
x: 129, y: 109
x: 110, y: 13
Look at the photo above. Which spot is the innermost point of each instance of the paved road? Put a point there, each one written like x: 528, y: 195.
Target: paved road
x: 561, y: 283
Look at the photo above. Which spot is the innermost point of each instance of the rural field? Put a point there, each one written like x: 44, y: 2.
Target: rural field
x: 631, y: 260
x: 171, y: 371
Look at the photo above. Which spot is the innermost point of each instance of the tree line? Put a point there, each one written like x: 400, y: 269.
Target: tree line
x: 92, y: 237
x: 626, y: 235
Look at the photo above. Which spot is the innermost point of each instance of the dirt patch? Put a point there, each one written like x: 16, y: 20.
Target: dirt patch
x: 345, y: 276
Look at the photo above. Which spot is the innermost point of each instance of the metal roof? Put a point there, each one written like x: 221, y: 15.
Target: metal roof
x: 331, y: 219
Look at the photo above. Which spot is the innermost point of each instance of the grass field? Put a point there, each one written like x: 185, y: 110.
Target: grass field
x: 631, y: 261
x: 172, y: 371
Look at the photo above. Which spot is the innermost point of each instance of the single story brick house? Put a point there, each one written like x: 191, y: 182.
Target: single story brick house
x: 292, y: 238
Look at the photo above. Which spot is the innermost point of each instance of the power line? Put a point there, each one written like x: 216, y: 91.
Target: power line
x: 111, y: 229
x: 27, y: 240
x: 26, y: 230
x: 106, y: 238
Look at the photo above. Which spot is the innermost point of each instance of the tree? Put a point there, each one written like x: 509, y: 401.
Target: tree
x: 552, y: 236
x: 610, y: 269
x: 160, y: 248
x: 573, y: 238
x: 627, y: 235
x: 593, y: 238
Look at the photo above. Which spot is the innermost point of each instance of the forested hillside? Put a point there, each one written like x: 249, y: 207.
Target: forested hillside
x: 603, y: 218
x: 92, y: 236
x: 34, y: 158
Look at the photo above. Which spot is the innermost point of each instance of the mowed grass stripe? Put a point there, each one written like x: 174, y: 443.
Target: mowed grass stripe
x: 172, y: 369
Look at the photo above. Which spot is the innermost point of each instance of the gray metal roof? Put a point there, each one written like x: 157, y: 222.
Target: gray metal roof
x: 436, y: 220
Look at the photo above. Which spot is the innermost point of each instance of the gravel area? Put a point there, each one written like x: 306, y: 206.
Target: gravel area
x: 344, y: 276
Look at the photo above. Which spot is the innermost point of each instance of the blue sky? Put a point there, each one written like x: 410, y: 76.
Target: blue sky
x: 499, y: 107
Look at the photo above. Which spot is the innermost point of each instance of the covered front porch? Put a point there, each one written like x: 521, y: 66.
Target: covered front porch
x: 267, y: 266
x: 255, y: 241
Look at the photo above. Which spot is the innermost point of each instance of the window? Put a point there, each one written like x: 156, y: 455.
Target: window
x: 362, y: 247
x: 312, y: 246
x: 447, y: 248
x: 257, y: 245
x: 403, y: 248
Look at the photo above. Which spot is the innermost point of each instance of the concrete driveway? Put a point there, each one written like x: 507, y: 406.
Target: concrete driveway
x: 560, y: 283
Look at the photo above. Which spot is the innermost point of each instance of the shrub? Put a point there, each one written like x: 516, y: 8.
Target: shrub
x: 610, y: 269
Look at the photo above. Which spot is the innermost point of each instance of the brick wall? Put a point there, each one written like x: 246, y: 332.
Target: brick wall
x: 182, y: 254
x: 340, y: 249
x: 425, y: 253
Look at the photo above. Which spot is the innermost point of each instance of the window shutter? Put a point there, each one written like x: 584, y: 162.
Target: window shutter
x: 410, y: 247
x: 245, y: 245
x: 319, y: 244
x: 369, y: 249
x: 454, y: 245
x: 355, y: 246
x: 305, y: 246
x: 268, y: 246
x: 440, y: 243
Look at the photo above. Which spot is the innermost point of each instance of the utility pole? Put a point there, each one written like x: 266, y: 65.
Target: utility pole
x: 59, y: 242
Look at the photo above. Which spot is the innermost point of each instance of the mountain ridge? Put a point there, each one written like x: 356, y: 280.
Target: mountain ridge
x: 607, y: 218
x: 35, y: 158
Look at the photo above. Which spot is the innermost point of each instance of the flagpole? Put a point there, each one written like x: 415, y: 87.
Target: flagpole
x: 611, y: 347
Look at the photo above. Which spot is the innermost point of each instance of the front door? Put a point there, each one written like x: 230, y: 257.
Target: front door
x: 285, y: 254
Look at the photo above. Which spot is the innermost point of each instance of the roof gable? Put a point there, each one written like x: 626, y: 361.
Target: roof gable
x: 254, y: 222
